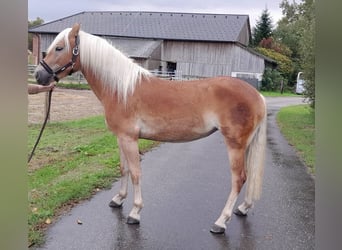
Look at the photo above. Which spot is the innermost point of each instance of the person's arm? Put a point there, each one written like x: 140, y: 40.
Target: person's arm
x: 35, y: 88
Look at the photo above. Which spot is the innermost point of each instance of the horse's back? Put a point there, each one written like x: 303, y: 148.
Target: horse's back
x: 198, y: 96
x: 228, y: 92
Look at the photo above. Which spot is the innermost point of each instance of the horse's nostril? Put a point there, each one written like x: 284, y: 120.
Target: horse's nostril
x: 37, y: 76
x: 40, y: 77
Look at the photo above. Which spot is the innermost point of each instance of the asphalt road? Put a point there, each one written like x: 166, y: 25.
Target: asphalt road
x: 185, y: 186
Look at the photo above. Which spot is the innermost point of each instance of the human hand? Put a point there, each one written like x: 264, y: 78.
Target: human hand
x: 51, y: 86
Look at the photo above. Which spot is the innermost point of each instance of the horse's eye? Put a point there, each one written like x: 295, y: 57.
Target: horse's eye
x: 59, y: 48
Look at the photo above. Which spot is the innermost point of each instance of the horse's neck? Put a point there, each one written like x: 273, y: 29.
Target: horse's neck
x: 96, y: 86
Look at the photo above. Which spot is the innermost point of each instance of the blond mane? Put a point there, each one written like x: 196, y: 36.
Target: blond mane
x: 118, y: 73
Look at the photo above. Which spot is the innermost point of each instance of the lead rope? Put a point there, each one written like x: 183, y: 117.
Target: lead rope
x: 42, y: 129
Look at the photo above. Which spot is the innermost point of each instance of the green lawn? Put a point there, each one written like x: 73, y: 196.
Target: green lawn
x: 277, y: 94
x: 73, y: 161
x: 297, y: 124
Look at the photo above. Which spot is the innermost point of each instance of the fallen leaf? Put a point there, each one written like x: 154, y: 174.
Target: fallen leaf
x: 47, y: 221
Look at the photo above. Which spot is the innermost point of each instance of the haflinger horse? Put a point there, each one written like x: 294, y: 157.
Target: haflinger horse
x: 140, y: 105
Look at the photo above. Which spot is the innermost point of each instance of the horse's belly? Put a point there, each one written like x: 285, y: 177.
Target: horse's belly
x: 175, y: 130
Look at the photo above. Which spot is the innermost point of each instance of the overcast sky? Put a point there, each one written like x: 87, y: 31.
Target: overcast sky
x: 50, y: 10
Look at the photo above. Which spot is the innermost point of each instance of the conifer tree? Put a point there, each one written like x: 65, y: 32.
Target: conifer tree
x: 263, y: 28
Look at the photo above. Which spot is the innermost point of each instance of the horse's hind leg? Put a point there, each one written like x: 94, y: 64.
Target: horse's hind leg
x: 238, y: 173
x: 242, y: 210
x: 244, y: 207
x: 247, y: 203
x: 118, y: 199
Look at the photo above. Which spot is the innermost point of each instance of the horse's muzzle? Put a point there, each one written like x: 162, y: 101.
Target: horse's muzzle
x: 42, y: 76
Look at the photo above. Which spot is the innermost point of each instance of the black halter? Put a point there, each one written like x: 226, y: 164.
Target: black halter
x: 75, y: 53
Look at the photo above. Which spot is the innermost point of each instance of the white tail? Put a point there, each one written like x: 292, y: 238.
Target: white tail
x: 255, y: 157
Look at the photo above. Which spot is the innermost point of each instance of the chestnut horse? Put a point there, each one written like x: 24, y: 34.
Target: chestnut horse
x: 139, y: 105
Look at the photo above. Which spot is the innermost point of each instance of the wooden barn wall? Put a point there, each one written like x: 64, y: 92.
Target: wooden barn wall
x: 153, y: 61
x: 211, y: 59
x: 196, y: 59
x: 41, y: 43
x: 244, y: 35
x: 35, y: 49
x: 46, y: 40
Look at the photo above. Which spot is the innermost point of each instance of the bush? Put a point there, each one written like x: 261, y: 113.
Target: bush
x: 285, y: 67
x: 271, y: 80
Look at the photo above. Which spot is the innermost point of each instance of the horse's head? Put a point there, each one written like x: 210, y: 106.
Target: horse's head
x: 62, y: 57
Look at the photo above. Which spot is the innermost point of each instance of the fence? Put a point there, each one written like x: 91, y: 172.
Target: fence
x: 79, y: 78
x: 175, y: 75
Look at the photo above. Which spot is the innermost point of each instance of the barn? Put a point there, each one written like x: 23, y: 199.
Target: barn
x: 185, y: 45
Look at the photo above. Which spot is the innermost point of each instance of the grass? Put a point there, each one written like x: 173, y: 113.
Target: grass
x: 72, y: 161
x: 277, y: 94
x: 67, y: 85
x: 297, y: 124
x: 74, y: 86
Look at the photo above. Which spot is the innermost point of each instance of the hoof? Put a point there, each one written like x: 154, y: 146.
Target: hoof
x: 114, y: 204
x: 132, y: 221
x: 217, y: 229
x: 239, y: 213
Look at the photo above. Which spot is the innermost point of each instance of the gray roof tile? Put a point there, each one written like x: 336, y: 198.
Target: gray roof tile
x: 156, y: 25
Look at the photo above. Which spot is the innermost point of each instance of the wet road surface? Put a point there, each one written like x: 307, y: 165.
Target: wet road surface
x: 185, y: 186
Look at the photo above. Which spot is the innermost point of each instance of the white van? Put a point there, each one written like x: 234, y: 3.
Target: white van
x: 300, y: 83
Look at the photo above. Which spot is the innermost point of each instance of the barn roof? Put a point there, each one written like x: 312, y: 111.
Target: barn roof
x: 155, y: 25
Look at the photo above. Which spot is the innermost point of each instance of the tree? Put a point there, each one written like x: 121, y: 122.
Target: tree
x: 265, y: 44
x: 263, y: 28
x: 271, y: 80
x: 285, y: 65
x: 307, y: 49
x: 297, y: 30
x: 288, y: 33
x: 270, y: 43
x: 31, y: 24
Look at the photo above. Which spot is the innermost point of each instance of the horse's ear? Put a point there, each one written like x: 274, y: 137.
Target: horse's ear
x: 75, y: 29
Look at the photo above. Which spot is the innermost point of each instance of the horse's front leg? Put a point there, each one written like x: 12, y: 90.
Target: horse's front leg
x: 118, y: 199
x: 130, y: 150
